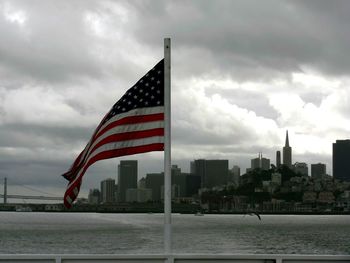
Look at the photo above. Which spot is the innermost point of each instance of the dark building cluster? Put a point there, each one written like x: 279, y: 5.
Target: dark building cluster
x: 265, y: 187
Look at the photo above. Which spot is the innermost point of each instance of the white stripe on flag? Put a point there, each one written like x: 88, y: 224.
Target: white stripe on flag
x: 120, y: 145
x: 126, y: 144
x: 128, y: 128
x: 135, y: 112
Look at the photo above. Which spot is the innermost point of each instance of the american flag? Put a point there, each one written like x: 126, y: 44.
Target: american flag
x: 135, y: 124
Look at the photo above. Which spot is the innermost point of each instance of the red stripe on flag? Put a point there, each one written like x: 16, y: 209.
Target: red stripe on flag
x: 131, y: 120
x: 142, y: 103
x: 68, y: 175
x: 107, y: 155
x: 124, y: 121
x: 127, y: 136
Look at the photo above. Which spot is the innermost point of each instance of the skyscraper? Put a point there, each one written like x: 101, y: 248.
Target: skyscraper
x: 155, y: 181
x: 193, y: 184
x: 278, y: 159
x: 108, y: 191
x: 178, y: 180
x: 212, y: 172
x: 216, y: 173
x: 318, y: 170
x: 341, y: 157
x: 234, y: 175
x: 185, y: 184
x: 260, y: 162
x: 127, y: 178
x: 287, y: 153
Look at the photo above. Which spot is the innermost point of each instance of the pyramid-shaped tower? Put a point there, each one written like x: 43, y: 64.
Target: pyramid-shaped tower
x: 287, y: 153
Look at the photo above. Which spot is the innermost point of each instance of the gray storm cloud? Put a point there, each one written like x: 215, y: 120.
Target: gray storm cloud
x: 242, y: 73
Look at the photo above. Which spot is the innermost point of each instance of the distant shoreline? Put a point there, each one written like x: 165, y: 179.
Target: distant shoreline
x: 150, y: 209
x: 175, y: 212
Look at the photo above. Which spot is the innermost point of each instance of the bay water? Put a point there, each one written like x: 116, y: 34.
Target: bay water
x: 97, y: 233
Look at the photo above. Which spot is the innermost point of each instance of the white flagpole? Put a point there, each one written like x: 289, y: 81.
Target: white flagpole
x: 167, y: 148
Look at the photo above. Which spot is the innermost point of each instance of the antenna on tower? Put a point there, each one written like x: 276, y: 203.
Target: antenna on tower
x: 287, y: 139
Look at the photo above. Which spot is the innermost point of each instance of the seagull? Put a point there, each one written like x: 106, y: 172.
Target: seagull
x: 253, y: 213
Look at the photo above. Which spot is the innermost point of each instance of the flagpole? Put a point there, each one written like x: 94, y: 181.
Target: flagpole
x: 167, y: 148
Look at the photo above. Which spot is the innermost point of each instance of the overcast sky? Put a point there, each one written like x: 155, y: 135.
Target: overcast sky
x: 243, y: 72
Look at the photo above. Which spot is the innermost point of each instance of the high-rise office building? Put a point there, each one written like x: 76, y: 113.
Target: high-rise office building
x: 193, y: 184
x: 278, y: 159
x: 235, y: 174
x: 287, y: 153
x: 127, y: 178
x: 318, y: 170
x: 184, y: 184
x: 178, y: 182
x: 155, y: 181
x: 212, y: 172
x: 260, y: 163
x: 341, y: 156
x: 108, y: 191
x: 236, y: 170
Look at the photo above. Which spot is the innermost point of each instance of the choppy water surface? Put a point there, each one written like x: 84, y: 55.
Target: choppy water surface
x: 143, y: 233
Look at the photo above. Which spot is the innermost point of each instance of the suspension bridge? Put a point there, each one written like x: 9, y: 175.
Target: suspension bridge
x: 7, y: 196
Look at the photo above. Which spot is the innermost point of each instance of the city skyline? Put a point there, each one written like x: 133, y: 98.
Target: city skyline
x: 271, y: 160
x: 243, y: 73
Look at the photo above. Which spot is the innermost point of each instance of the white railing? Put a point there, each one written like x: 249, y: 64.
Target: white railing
x: 173, y: 258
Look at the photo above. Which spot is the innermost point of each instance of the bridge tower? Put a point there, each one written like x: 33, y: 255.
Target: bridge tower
x: 5, y: 190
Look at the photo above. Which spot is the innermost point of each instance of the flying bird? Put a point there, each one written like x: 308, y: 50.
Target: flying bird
x: 252, y: 214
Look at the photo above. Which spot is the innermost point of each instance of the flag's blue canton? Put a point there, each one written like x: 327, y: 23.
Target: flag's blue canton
x: 147, y: 92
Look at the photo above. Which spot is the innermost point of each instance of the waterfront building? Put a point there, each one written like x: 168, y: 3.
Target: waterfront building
x: 212, y: 172
x: 309, y: 197
x: 179, y: 181
x: 127, y: 178
x: 287, y: 153
x: 94, y: 196
x: 260, y: 163
x: 144, y: 195
x: 108, y: 191
x: 155, y: 181
x: 318, y: 170
x: 276, y: 178
x: 193, y: 184
x: 278, y: 159
x: 131, y: 195
x: 183, y: 184
x: 326, y: 197
x: 175, y: 192
x: 301, y: 168
x: 138, y: 195
x: 341, y: 164
x: 53, y: 207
